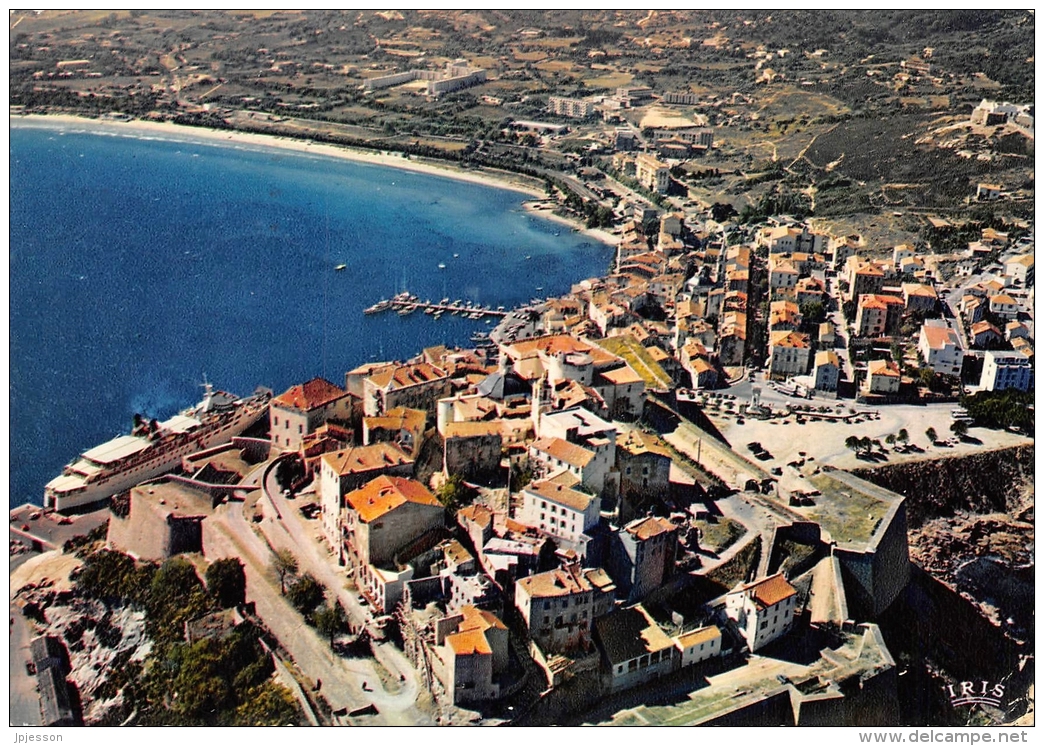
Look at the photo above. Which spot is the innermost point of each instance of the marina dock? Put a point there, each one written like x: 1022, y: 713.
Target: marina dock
x: 405, y: 303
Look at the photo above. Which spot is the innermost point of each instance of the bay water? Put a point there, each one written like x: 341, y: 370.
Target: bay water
x: 140, y: 263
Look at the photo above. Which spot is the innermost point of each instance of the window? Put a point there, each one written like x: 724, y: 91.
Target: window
x: 275, y: 420
x: 764, y: 624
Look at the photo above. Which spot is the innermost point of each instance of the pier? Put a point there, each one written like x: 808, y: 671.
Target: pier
x: 404, y: 304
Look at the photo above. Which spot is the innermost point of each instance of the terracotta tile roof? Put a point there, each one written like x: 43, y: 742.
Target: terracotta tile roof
x: 479, y: 514
x: 564, y: 451
x: 406, y: 375
x: 940, y: 336
x: 622, y: 376
x: 399, y: 418
x: 698, y: 636
x: 550, y: 345
x: 561, y: 495
x: 981, y: 327
x: 475, y: 618
x: 873, y: 300
x: 472, y: 642
x: 883, y: 368
x: 700, y: 365
x: 310, y: 395
x: 771, y: 591
x: 361, y: 459
x: 565, y: 581
x: 1002, y: 299
x: 796, y: 340
x: 472, y: 429
x: 826, y: 357
x: 384, y: 494
x: 646, y: 528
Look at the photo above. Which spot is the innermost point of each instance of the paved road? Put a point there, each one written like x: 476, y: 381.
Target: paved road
x: 303, y: 537
x: 232, y: 536
x: 24, y: 700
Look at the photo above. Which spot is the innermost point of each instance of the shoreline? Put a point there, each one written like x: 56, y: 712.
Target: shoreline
x: 428, y: 166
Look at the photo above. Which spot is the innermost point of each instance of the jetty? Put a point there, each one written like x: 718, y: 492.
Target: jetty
x: 406, y: 303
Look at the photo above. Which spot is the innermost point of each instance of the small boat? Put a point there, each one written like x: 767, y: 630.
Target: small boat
x: 442, y: 266
x: 528, y: 256
x: 340, y: 267
x: 444, y: 301
x: 539, y: 288
x: 456, y: 255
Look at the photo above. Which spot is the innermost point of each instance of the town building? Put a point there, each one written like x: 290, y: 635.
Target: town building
x: 302, y: 409
x: 470, y: 655
x: 472, y: 450
x: 882, y: 377
x: 416, y: 386
x: 940, y: 348
x: 642, y: 556
x: 574, y: 108
x: 878, y: 315
x: 789, y: 353
x: 920, y: 297
x: 380, y: 519
x: 1006, y: 370
x: 349, y: 469
x: 644, y: 466
x: 634, y: 648
x: 561, y: 511
x: 402, y: 426
x: 764, y: 610
x: 1004, y: 306
x: 826, y: 371
x: 1020, y: 269
x: 559, y: 607
x: 652, y: 173
x: 698, y: 645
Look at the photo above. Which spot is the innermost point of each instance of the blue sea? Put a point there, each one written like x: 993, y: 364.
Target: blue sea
x: 139, y: 264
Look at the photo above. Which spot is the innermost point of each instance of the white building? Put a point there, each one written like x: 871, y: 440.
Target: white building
x: 574, y: 108
x: 559, y: 510
x: 1006, y: 370
x: 940, y: 347
x: 764, y: 610
x: 826, y: 371
x: 698, y: 645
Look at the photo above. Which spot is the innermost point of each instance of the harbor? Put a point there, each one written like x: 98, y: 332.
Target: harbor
x: 406, y: 303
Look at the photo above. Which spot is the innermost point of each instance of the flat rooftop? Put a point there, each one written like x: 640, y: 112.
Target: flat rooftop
x: 862, y: 654
x: 850, y: 509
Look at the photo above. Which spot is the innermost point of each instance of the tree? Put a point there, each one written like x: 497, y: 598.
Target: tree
x: 266, y: 705
x: 866, y: 444
x: 890, y: 439
x: 285, y: 564
x: 931, y: 435
x: 306, y: 593
x: 455, y: 493
x: 902, y: 436
x: 959, y: 428
x: 852, y: 443
x: 226, y: 582
x: 289, y: 472
x: 813, y: 311
x: 330, y: 620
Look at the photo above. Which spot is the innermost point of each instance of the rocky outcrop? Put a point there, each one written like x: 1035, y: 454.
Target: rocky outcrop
x: 988, y: 482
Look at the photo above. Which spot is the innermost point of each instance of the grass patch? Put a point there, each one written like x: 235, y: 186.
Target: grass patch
x: 628, y: 348
x: 719, y: 534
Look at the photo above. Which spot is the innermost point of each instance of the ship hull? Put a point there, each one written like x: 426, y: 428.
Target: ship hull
x: 165, y: 459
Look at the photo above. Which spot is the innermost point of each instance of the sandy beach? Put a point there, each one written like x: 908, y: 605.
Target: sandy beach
x: 494, y: 179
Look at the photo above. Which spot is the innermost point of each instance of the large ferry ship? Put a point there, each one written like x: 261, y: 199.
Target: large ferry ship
x: 152, y: 449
